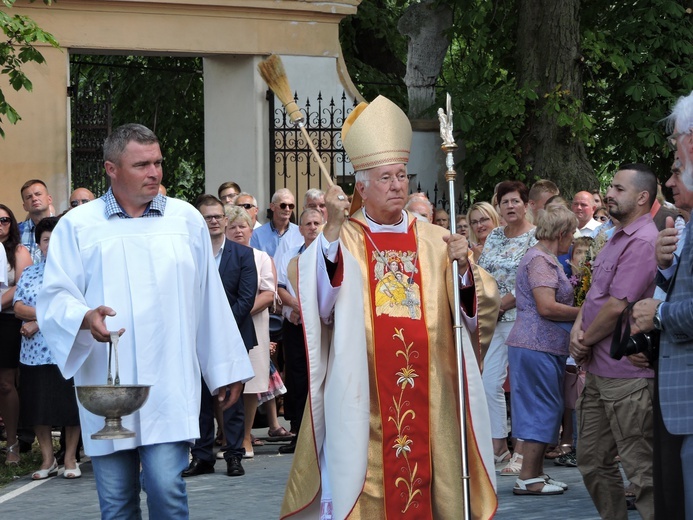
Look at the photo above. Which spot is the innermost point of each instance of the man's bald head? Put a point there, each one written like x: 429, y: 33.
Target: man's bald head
x: 583, y: 207
x: 80, y: 196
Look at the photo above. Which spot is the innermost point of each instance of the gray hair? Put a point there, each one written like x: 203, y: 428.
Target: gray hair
x: 246, y: 194
x: 280, y: 193
x: 310, y: 210
x: 681, y: 115
x: 363, y: 176
x: 554, y: 222
x: 313, y: 194
x: 115, y: 143
x: 420, y: 200
x: 234, y: 213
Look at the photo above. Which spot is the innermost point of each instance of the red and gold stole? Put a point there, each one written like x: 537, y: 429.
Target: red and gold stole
x: 401, y: 358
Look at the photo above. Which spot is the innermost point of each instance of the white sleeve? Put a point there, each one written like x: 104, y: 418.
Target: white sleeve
x: 3, y: 268
x: 327, y: 292
x: 61, y: 305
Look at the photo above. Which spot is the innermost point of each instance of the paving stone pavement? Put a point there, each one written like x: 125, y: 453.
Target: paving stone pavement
x: 258, y: 494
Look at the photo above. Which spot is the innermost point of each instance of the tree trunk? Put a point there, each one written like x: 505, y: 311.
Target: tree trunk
x: 425, y: 24
x: 548, y: 55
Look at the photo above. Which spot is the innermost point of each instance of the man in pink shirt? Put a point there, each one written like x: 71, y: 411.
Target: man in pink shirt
x: 615, y: 409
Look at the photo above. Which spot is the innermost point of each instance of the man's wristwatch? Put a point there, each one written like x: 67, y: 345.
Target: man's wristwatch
x: 656, y: 320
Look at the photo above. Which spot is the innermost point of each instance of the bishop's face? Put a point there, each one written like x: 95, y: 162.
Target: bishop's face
x: 385, y: 195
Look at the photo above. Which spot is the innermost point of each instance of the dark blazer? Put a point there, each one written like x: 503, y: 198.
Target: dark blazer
x: 239, y: 276
x: 676, y: 345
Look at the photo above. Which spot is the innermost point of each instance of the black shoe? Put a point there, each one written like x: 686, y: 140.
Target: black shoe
x: 234, y: 468
x: 289, y: 448
x: 198, y: 467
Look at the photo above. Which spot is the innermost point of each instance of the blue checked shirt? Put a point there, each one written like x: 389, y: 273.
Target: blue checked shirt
x: 155, y: 208
x: 26, y: 230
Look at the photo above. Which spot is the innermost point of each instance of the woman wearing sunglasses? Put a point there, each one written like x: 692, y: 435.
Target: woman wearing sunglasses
x: 18, y: 258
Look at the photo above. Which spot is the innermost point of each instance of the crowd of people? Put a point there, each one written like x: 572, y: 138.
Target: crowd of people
x: 544, y: 281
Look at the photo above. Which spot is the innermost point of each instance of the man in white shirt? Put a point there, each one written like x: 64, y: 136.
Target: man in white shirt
x: 144, y: 264
x: 296, y: 368
x: 583, y: 206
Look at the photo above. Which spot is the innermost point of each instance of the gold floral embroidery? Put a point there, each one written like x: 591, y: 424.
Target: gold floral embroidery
x: 403, y: 444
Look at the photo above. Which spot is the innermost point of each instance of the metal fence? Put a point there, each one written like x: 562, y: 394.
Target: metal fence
x: 292, y: 165
x: 91, y: 124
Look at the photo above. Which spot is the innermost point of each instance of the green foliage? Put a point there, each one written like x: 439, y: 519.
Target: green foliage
x: 491, y: 108
x: 637, y: 62
x: 21, y: 34
x: 166, y: 94
x: 636, y: 59
x: 376, y: 52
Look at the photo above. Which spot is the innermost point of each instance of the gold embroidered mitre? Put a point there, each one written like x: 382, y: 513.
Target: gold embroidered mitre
x: 377, y: 134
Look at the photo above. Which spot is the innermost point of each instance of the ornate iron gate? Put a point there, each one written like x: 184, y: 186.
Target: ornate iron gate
x: 91, y: 124
x: 291, y: 162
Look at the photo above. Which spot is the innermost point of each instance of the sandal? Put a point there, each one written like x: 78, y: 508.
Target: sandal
x: 568, y: 460
x: 72, y: 473
x: 556, y: 452
x: 12, y: 451
x: 553, y: 482
x: 512, y: 469
x: 41, y: 474
x: 279, y: 433
x: 503, y: 457
x: 256, y: 442
x: 547, y: 489
x: 629, y: 491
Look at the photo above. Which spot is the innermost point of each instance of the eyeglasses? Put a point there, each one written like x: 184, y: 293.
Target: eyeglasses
x: 247, y: 206
x: 78, y: 202
x: 389, y: 179
x: 218, y: 218
x: 5, y: 220
x: 285, y: 205
x: 482, y: 220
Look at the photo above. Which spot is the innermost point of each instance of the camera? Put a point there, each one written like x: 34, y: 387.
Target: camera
x: 645, y: 342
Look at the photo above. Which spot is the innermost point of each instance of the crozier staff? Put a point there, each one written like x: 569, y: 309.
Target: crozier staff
x: 142, y: 262
x: 383, y: 418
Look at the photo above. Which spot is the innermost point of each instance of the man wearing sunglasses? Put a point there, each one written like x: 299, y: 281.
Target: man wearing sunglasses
x: 249, y: 204
x: 80, y: 196
x: 279, y: 229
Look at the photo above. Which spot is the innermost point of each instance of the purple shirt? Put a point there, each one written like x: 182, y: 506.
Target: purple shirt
x: 531, y: 331
x: 625, y: 268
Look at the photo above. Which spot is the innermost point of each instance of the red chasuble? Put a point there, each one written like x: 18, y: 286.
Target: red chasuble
x: 401, y: 355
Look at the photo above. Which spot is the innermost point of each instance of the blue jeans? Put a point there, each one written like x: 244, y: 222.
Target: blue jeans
x: 118, y: 482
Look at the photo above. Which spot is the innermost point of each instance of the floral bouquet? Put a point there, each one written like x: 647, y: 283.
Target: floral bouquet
x: 582, y: 279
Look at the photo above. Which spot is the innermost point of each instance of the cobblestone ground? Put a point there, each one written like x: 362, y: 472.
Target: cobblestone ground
x: 258, y: 494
